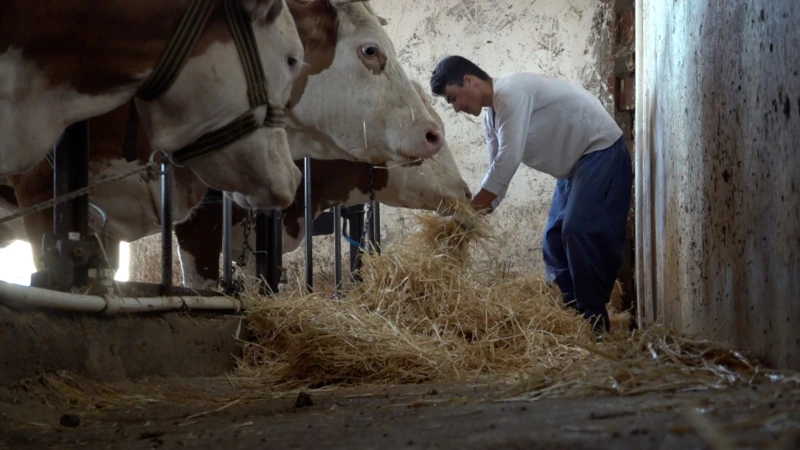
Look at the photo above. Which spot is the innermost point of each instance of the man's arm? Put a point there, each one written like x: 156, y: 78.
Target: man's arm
x: 482, y: 201
x: 513, y: 120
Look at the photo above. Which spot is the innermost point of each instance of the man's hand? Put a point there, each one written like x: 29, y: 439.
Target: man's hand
x: 482, y: 201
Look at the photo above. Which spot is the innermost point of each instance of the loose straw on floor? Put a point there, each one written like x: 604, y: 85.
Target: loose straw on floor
x: 424, y: 313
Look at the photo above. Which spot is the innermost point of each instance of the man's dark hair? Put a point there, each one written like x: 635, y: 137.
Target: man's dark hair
x: 451, y: 70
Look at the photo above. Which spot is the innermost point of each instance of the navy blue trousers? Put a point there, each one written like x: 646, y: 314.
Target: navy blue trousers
x: 585, y: 230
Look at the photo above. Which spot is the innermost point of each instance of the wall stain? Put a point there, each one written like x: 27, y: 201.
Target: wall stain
x: 722, y: 197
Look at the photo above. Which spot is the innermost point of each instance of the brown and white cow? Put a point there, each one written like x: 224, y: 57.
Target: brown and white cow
x: 63, y: 62
x: 132, y: 204
x: 433, y: 185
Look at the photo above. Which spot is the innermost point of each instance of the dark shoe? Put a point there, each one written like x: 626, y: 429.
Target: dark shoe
x: 599, y: 321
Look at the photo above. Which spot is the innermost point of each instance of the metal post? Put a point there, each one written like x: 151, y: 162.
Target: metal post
x: 376, y: 219
x: 337, y: 248
x: 308, y: 224
x: 262, y: 237
x: 227, y: 228
x: 269, y: 234
x: 71, y: 219
x: 356, y: 219
x: 275, y: 249
x: 369, y: 242
x: 166, y: 226
x: 373, y: 227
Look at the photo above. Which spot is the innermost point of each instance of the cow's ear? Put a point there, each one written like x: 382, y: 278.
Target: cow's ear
x: 263, y: 11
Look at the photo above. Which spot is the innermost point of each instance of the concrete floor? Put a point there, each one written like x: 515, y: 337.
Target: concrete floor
x: 208, y: 413
x: 184, y: 398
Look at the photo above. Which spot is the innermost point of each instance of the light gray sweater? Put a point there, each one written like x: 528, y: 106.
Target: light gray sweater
x: 542, y: 122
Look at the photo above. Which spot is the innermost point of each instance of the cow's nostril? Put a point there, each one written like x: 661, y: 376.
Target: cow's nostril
x: 433, y: 137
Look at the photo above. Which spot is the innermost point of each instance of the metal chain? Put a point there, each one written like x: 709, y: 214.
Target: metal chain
x: 238, y: 282
x: 77, y: 193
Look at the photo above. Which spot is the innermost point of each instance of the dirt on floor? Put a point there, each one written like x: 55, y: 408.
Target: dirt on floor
x: 64, y: 411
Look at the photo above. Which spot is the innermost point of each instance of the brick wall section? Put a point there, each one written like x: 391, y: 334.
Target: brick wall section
x: 622, y: 85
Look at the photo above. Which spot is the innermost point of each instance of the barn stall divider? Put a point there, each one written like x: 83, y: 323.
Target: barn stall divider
x: 75, y: 257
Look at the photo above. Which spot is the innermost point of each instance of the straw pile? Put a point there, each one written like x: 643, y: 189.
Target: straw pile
x: 422, y: 313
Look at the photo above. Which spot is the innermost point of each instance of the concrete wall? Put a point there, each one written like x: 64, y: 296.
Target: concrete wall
x: 111, y: 348
x: 718, y: 180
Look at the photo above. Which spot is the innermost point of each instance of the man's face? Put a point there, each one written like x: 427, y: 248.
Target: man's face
x: 466, y: 98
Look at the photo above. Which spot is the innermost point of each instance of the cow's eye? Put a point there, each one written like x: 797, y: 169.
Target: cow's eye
x: 370, y: 50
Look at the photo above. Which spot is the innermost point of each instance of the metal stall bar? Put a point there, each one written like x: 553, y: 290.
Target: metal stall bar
x: 227, y: 229
x: 263, y: 236
x: 275, y: 249
x: 71, y: 218
x: 355, y: 216
x: 308, y: 224
x: 373, y: 227
x: 337, y: 249
x: 369, y: 242
x: 167, y: 176
x: 269, y: 236
x: 376, y: 220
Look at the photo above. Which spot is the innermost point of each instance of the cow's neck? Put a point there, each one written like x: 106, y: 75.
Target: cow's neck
x: 333, y: 182
x: 66, y: 61
x: 189, y: 191
x: 114, y: 48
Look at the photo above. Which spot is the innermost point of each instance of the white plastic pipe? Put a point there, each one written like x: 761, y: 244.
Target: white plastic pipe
x: 44, y: 298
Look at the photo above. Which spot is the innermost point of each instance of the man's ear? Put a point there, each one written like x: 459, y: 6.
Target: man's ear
x: 469, y: 80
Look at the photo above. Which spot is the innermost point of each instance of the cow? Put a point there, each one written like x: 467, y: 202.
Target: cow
x: 199, y: 100
x: 434, y: 185
x: 132, y: 205
x: 350, y: 59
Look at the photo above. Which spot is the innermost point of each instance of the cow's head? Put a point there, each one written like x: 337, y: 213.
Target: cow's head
x: 211, y: 92
x: 434, y: 185
x: 353, y: 99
